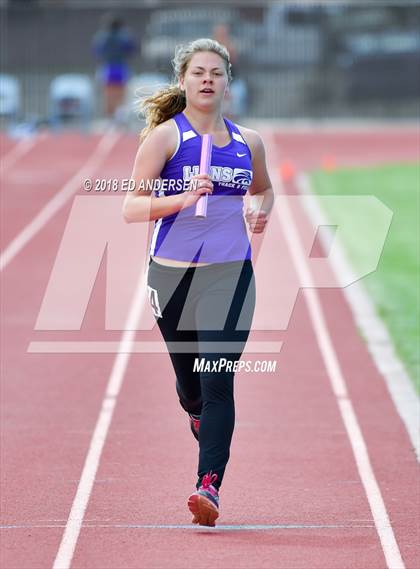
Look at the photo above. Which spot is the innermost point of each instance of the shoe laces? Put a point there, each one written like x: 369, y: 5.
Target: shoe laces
x: 208, y: 480
x: 196, y: 421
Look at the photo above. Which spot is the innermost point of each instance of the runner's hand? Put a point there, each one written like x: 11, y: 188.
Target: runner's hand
x: 202, y: 184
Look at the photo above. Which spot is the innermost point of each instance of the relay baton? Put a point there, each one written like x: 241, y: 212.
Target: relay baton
x: 205, y: 161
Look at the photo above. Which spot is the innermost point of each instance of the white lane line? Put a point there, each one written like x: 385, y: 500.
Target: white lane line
x: 257, y: 527
x: 378, y: 340
x: 20, y: 149
x: 60, y: 198
x: 109, y: 347
x: 84, y: 489
x: 338, y: 383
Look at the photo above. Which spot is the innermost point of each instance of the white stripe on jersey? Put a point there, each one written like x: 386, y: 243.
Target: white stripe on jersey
x: 178, y: 142
x: 186, y: 135
x: 238, y: 137
x: 155, y: 236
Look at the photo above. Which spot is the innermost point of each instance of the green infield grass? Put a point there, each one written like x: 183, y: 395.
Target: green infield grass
x: 395, y: 286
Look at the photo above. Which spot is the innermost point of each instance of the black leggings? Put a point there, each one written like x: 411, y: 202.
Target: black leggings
x: 205, y: 312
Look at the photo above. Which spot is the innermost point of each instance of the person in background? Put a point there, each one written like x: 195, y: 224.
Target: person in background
x: 234, y: 105
x: 221, y: 35
x: 113, y: 45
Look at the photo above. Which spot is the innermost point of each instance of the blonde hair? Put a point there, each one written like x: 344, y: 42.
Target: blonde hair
x: 167, y: 102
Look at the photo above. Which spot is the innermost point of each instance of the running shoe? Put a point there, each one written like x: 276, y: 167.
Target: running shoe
x: 194, y: 424
x: 204, y: 503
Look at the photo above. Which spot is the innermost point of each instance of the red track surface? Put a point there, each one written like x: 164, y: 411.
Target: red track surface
x: 6, y: 144
x: 291, y: 460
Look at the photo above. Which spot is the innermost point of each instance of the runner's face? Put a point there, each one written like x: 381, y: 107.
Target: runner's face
x: 205, y: 80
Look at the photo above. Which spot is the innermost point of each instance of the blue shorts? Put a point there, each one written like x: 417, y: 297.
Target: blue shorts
x: 114, y: 74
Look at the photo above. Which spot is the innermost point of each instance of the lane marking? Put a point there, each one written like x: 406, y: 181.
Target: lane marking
x: 338, y: 384
x: 60, y: 198
x: 256, y: 527
x: 75, y: 520
x: 379, y: 342
x: 20, y: 149
x: 109, y: 347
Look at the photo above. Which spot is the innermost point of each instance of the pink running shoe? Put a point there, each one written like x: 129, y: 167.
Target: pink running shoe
x: 204, y: 503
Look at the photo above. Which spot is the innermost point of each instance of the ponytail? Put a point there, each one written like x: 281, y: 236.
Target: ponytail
x: 161, y: 106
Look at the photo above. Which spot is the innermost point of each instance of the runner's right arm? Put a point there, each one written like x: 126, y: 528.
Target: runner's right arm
x: 155, y: 150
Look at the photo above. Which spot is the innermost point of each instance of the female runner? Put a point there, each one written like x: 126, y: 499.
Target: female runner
x: 200, y: 282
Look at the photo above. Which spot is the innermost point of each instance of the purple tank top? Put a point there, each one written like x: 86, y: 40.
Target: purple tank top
x: 221, y: 236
